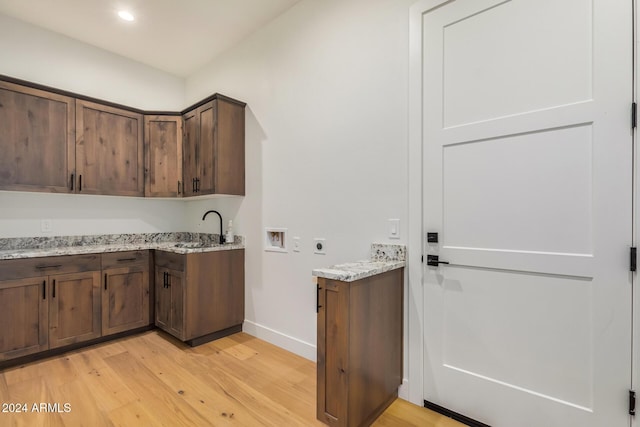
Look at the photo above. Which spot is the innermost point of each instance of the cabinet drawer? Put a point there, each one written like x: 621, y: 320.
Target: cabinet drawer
x: 170, y: 260
x: 124, y: 259
x: 35, y: 267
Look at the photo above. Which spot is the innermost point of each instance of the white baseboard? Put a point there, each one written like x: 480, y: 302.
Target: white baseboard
x: 403, y: 391
x: 294, y: 345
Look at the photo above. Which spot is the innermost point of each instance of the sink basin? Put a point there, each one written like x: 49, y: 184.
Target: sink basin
x: 191, y: 245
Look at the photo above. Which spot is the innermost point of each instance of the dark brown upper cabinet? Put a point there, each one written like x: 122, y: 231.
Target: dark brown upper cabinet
x: 109, y: 150
x: 163, y: 162
x: 60, y: 142
x: 213, y: 149
x: 37, y: 139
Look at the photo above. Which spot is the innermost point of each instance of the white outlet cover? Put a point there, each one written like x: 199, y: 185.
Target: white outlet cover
x: 394, y: 228
x: 319, y: 246
x: 296, y: 244
x: 46, y: 225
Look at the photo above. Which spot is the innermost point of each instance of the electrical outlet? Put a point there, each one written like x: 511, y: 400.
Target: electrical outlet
x: 46, y: 225
x: 296, y: 244
x: 319, y: 246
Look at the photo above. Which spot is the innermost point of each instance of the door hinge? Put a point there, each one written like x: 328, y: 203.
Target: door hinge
x: 634, y: 115
x: 633, y: 257
x: 632, y: 402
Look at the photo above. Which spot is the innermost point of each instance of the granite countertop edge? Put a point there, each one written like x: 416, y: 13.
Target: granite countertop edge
x: 116, y: 247
x: 352, y: 271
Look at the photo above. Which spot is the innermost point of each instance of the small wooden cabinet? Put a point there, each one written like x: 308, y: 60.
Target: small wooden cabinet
x: 125, y: 291
x: 163, y: 162
x: 359, y: 347
x: 214, y: 148
x: 200, y: 296
x: 37, y: 139
x: 109, y: 150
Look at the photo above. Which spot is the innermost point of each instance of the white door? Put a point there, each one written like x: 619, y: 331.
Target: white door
x: 528, y: 182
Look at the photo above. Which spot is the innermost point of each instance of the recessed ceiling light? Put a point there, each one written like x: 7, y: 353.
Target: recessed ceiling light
x: 126, y: 15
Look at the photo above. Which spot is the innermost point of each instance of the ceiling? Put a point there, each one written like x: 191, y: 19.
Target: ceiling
x: 176, y: 36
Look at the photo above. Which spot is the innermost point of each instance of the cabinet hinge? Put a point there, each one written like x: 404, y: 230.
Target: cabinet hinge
x: 632, y: 402
x: 634, y: 115
x: 633, y: 258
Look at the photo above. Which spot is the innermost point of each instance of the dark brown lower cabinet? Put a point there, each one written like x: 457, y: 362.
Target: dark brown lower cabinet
x: 200, y: 296
x: 74, y: 310
x: 360, y: 327
x: 169, y: 301
x: 54, y: 302
x: 125, y: 291
x: 24, y: 314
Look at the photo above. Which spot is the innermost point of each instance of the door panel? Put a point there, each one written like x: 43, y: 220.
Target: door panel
x: 110, y: 150
x: 125, y: 304
x: 189, y: 152
x: 207, y: 148
x: 24, y: 313
x: 527, y: 178
x: 75, y: 308
x: 163, y: 148
x: 490, y: 50
x: 37, y: 140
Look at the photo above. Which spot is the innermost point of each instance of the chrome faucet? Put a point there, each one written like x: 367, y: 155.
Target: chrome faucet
x: 219, y: 216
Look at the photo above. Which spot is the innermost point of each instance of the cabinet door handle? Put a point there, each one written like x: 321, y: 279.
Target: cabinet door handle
x: 164, y: 280
x: 197, y: 185
x: 80, y: 183
x: 45, y: 267
x: 72, y: 180
x: 54, y: 288
x: 44, y: 289
x: 193, y: 185
x: 126, y: 259
x: 318, y: 306
x: 178, y: 187
x: 105, y: 281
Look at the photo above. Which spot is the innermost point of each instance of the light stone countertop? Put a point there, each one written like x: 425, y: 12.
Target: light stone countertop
x: 20, y: 248
x: 384, y: 258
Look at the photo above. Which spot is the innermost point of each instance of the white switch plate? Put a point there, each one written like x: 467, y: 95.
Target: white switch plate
x: 296, y: 244
x: 319, y: 246
x: 394, y: 228
x: 46, y: 225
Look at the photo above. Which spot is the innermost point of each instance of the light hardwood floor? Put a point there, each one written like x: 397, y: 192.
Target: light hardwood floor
x: 153, y: 380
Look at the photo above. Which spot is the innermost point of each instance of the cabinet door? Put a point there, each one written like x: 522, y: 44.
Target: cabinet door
x: 170, y: 301
x: 207, y: 148
x: 163, y: 148
x: 74, y: 312
x: 125, y: 299
x: 109, y: 150
x: 229, y: 143
x: 190, y: 152
x: 37, y: 140
x: 24, y: 309
x: 333, y: 328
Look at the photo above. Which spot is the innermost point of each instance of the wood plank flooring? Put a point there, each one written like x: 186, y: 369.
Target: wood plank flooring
x: 153, y: 380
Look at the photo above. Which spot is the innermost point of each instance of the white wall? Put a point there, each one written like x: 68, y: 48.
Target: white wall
x: 34, y: 54
x: 326, y: 88
x: 31, y: 53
